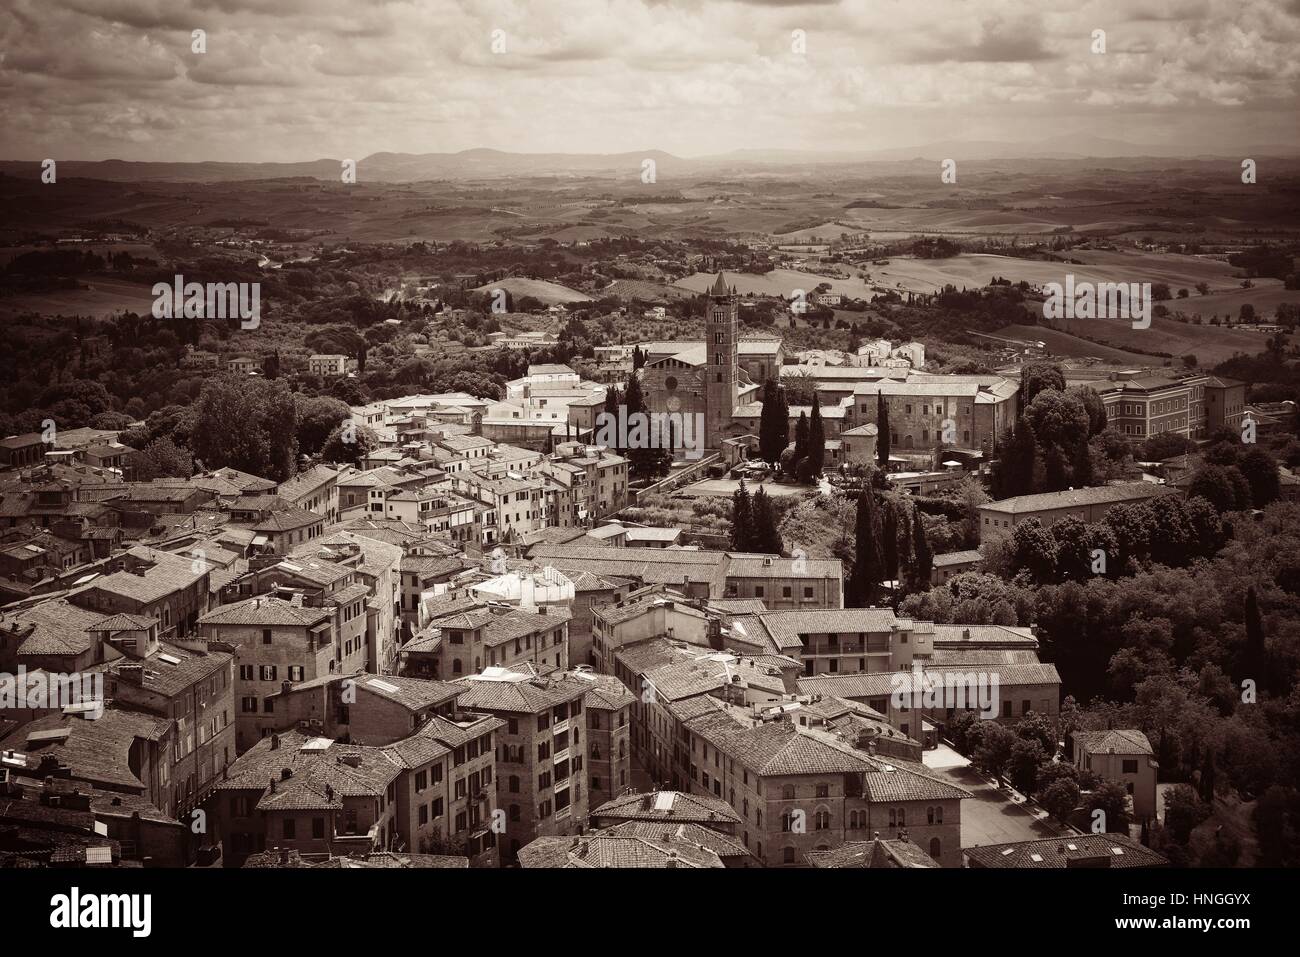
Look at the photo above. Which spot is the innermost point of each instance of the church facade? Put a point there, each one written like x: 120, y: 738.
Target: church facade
x: 705, y: 380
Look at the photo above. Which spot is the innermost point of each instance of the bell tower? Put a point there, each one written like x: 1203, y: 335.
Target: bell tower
x: 720, y: 376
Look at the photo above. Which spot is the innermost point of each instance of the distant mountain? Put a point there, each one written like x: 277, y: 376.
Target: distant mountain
x: 493, y: 164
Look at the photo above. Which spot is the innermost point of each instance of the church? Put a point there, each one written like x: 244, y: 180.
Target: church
x: 705, y: 379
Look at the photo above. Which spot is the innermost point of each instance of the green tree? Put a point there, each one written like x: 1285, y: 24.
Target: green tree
x: 742, y: 522
x: 248, y: 424
x: 1061, y: 798
x: 1111, y: 799
x: 774, y: 423
x: 349, y: 444
x: 1261, y: 472
x: 994, y: 751
x: 816, y: 439
x: 882, y: 431
x: 868, y: 557
x: 765, y: 536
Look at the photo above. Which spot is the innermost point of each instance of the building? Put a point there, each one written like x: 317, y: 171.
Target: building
x: 710, y: 575
x: 1086, y: 504
x: 275, y: 641
x: 706, y: 381
x: 951, y: 564
x: 1072, y: 851
x: 1123, y: 756
x: 609, y: 729
x: 802, y: 790
x: 542, y: 752
x: 330, y: 365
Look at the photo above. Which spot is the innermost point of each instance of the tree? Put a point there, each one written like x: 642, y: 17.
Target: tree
x: 868, y: 558
x: 317, y: 418
x: 1013, y: 472
x: 1061, y: 798
x: 765, y: 536
x: 1184, y: 810
x: 922, y: 556
x: 248, y: 424
x: 1035, y: 377
x: 163, y: 457
x: 1026, y: 757
x: 1261, y: 472
x: 774, y: 423
x: 742, y: 522
x: 1034, y: 550
x: 1038, y: 726
x: 994, y: 751
x: 349, y: 444
x: 1254, y: 656
x: 1216, y: 485
x: 801, y: 437
x: 1093, y: 405
x: 1061, y: 426
x: 1111, y: 799
x: 816, y: 439
x: 882, y: 430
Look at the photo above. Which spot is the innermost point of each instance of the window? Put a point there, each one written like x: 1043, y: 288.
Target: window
x: 787, y: 855
x: 290, y: 828
x: 1130, y: 767
x: 823, y: 790
x: 266, y: 636
x: 318, y: 828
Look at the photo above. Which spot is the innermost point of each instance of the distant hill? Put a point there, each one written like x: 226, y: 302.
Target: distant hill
x: 492, y: 164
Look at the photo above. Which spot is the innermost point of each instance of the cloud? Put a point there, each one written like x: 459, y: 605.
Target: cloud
x: 285, y: 80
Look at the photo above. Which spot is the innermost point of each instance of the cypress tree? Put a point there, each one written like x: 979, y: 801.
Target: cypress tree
x: 868, y: 563
x: 766, y: 537
x: 774, y: 423
x: 801, y: 437
x: 882, y: 427
x: 816, y: 438
x: 741, y: 519
x: 1254, y: 657
x: 922, y: 556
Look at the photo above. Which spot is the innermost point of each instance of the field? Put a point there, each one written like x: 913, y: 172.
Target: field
x: 105, y: 297
x: 550, y: 293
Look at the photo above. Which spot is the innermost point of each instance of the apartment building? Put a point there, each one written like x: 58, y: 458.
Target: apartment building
x: 542, y: 752
x: 609, y: 731
x: 152, y: 583
x: 192, y: 687
x: 801, y: 790
x: 315, y: 490
x: 474, y: 636
x: 275, y: 641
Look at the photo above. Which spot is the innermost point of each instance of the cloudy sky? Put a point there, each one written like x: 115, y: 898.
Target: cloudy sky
x: 289, y: 80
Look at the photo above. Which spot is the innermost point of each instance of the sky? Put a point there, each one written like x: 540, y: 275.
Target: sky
x: 297, y: 80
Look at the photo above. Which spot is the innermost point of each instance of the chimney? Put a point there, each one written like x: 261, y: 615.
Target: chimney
x: 275, y: 742
x: 285, y: 686
x: 131, y: 674
x: 272, y: 785
x: 286, y: 774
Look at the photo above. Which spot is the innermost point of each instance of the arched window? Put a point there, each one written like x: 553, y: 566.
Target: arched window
x: 936, y: 848
x: 455, y: 666
x: 823, y: 820
x: 907, y: 441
